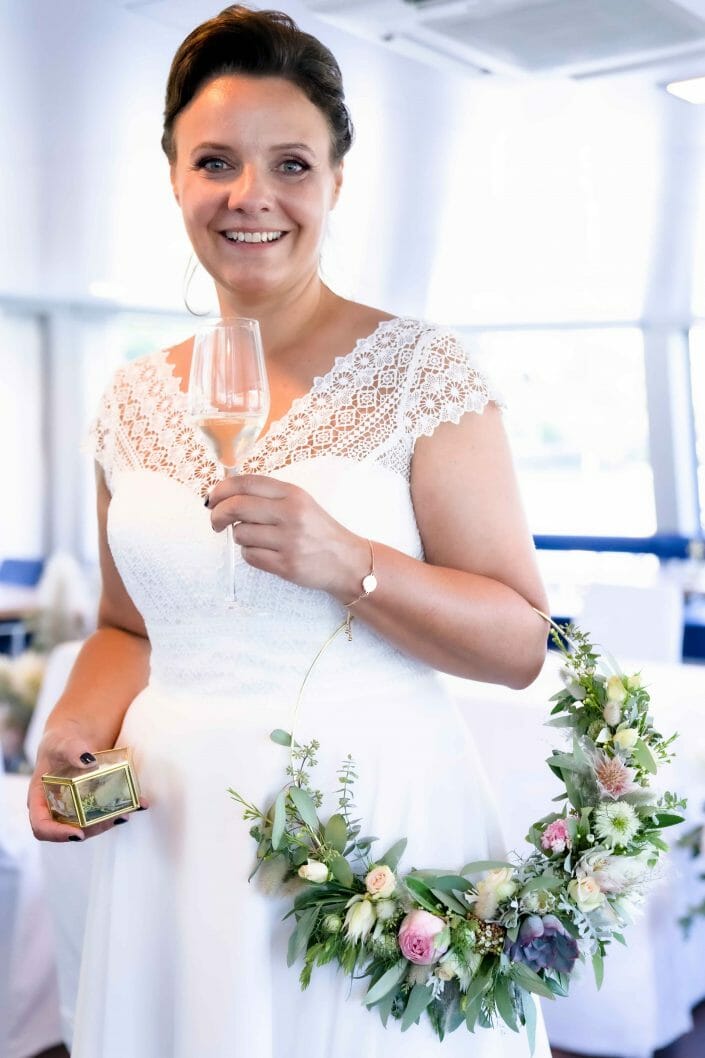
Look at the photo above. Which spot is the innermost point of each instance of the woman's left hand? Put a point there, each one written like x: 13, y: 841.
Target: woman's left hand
x: 281, y: 529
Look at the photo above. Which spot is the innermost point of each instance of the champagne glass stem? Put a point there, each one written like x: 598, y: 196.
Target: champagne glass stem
x: 231, y: 564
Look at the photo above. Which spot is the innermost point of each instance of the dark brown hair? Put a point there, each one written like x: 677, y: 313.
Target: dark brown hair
x: 258, y: 44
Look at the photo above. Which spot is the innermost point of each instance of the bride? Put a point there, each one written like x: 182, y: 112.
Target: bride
x: 385, y: 454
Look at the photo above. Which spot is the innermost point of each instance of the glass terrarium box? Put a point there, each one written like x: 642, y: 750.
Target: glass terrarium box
x: 83, y: 797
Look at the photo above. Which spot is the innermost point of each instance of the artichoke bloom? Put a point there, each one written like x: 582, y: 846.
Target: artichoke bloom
x: 544, y: 944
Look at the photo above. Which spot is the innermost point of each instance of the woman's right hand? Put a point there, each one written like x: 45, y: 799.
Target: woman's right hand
x: 62, y: 747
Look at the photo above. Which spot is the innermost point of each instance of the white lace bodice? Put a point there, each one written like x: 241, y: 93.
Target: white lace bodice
x: 348, y: 441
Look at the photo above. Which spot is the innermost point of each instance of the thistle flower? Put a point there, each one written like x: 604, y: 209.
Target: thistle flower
x: 544, y: 944
x: 616, y: 824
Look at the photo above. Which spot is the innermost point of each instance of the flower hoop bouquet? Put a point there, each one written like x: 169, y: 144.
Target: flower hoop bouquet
x: 470, y: 947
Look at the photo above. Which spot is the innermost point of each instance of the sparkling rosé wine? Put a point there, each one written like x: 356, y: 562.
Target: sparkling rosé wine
x: 230, y: 436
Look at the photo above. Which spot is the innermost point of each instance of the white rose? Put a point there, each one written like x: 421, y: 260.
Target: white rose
x: 380, y: 881
x: 616, y: 691
x: 313, y: 871
x: 634, y: 682
x: 586, y: 893
x: 625, y: 739
x: 360, y: 918
x: 448, y: 967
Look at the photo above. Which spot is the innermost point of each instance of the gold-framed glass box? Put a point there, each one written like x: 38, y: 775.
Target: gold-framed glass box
x: 82, y: 797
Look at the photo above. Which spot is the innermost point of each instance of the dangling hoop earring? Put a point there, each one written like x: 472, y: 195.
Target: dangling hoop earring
x: 189, y: 273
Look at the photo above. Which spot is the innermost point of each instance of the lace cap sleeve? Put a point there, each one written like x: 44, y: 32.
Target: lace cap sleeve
x: 99, y: 440
x: 443, y: 384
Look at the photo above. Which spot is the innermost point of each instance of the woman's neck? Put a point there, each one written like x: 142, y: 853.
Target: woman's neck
x: 285, y: 322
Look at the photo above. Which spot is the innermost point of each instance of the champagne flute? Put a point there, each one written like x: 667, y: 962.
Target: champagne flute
x: 228, y: 397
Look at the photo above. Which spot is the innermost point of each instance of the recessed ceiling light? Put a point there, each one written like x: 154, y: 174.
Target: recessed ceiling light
x: 692, y: 90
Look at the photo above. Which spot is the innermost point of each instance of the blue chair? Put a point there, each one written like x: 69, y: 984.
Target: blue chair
x: 24, y: 572
x: 17, y: 572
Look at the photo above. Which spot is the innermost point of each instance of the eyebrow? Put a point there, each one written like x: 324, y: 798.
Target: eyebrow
x: 277, y: 147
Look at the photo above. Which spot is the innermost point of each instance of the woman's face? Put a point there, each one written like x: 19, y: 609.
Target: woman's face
x: 254, y: 181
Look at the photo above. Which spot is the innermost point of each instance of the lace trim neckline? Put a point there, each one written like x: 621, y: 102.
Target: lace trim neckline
x: 167, y: 374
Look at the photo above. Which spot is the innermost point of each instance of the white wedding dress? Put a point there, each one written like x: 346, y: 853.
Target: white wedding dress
x: 183, y: 958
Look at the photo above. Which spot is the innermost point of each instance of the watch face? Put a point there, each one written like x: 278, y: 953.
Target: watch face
x: 369, y: 583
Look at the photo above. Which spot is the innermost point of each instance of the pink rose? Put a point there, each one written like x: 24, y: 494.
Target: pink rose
x: 419, y: 937
x: 556, y: 836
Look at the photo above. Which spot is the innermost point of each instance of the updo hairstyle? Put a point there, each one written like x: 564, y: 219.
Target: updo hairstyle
x: 258, y: 44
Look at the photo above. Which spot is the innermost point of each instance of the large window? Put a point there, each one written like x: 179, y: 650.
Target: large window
x: 577, y: 419
x: 697, y: 374
x: 22, y: 478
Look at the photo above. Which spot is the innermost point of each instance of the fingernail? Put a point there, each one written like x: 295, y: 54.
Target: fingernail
x: 73, y: 837
x: 88, y: 758
x: 119, y: 820
x: 207, y: 500
x: 141, y: 809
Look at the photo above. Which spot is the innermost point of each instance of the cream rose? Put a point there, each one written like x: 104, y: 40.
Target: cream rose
x: 380, y: 881
x: 625, y: 739
x: 313, y: 871
x: 586, y: 893
x: 616, y: 691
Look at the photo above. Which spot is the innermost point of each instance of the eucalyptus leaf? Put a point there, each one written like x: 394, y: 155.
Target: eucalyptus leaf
x: 282, y: 738
x: 300, y: 937
x: 279, y: 819
x: 394, y: 854
x: 384, y: 1007
x: 341, y: 870
x: 504, y: 1004
x: 451, y: 902
x: 472, y: 1012
x: 387, y: 982
x: 598, y: 967
x: 529, y: 980
x: 303, y: 803
x: 449, y: 883
x: 336, y: 833
x: 421, y: 894
x: 643, y: 756
x: 477, y: 866
x: 549, y: 882
x: 419, y: 998
x: 529, y: 1008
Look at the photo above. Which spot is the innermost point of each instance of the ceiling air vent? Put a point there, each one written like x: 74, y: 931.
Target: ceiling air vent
x: 571, y: 37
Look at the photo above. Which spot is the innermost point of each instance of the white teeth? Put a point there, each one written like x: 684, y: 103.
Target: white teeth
x: 253, y: 236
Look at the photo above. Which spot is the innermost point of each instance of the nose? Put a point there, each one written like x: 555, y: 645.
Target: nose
x: 250, y: 191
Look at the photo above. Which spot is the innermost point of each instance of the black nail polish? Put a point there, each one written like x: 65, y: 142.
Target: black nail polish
x: 141, y: 809
x: 88, y: 758
x: 120, y: 819
x: 207, y: 501
x: 73, y: 837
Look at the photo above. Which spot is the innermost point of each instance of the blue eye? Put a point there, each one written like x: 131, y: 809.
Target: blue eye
x: 212, y: 165
x: 293, y: 166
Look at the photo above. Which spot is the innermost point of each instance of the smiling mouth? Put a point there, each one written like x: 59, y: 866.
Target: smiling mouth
x: 250, y: 238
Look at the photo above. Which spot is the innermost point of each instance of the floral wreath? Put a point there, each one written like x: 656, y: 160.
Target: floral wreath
x: 470, y: 948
